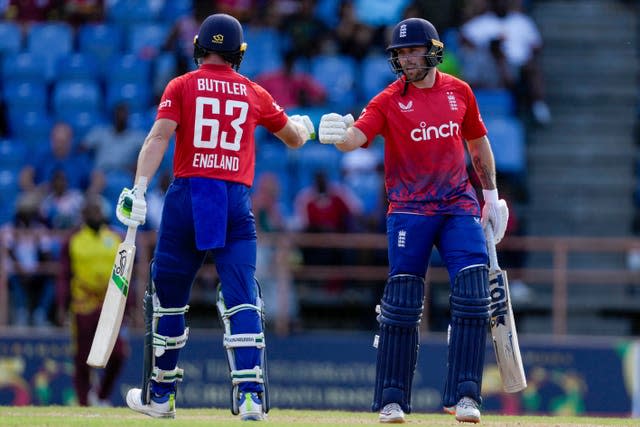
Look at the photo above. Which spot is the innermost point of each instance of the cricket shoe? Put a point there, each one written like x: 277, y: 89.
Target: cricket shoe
x: 467, y: 411
x: 451, y: 410
x: 391, y: 413
x: 158, y: 406
x: 250, y: 407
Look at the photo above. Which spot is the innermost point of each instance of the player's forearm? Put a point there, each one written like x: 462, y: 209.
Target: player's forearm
x: 151, y: 156
x: 354, y: 138
x: 483, y: 162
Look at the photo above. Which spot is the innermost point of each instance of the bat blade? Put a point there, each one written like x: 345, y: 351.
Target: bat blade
x: 113, y: 306
x: 504, y: 334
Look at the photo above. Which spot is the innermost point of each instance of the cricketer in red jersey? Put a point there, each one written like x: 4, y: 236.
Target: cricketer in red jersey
x: 213, y: 111
x: 426, y: 117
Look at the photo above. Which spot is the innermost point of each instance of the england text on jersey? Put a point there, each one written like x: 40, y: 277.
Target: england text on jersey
x: 215, y: 161
x: 221, y: 86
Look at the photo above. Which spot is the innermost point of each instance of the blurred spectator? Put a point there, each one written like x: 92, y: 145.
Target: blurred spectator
x: 354, y: 37
x: 79, y: 12
x: 326, y: 207
x: 442, y: 14
x: 290, y: 88
x: 270, y: 218
x: 87, y: 260
x: 59, y: 156
x: 180, y: 38
x: 61, y: 207
x: 115, y: 147
x: 514, y: 43
x: 28, y: 245
x: 243, y: 10
x: 29, y: 11
x: 307, y: 34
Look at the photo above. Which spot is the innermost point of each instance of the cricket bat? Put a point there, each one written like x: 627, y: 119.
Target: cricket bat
x: 503, y: 325
x: 115, y: 298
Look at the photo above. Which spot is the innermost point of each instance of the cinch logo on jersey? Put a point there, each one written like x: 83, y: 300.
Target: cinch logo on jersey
x: 164, y: 104
x: 427, y: 133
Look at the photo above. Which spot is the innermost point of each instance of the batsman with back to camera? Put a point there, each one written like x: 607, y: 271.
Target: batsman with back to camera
x: 425, y: 116
x: 214, y: 111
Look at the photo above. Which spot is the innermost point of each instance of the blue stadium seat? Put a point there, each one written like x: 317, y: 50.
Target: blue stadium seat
x: 375, y: 74
x: 175, y: 9
x: 146, y: 40
x: 127, y: 12
x: 25, y: 96
x: 508, y: 142
x: 495, y: 102
x: 264, y: 51
x: 380, y: 12
x: 81, y: 95
x: 31, y: 128
x: 10, y: 38
x: 23, y: 67
x: 128, y: 68
x: 163, y: 70
x: 337, y: 74
x: 314, y: 157
x: 102, y: 41
x: 77, y: 66
x: 12, y: 154
x: 115, y: 182
x: 50, y: 40
x: 136, y: 95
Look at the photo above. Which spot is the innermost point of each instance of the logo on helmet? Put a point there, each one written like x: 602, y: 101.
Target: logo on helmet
x: 217, y: 39
x: 403, y: 31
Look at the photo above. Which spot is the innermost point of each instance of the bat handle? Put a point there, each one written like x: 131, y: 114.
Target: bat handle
x: 130, y: 238
x: 491, y: 248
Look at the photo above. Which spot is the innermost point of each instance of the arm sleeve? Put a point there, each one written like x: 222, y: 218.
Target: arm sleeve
x: 271, y: 115
x: 169, y: 107
x: 472, y: 125
x: 372, y: 119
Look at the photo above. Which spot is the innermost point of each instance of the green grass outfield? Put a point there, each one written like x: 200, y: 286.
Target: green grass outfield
x: 70, y: 416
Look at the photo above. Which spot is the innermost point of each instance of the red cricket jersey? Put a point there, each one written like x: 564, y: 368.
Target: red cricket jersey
x: 424, y: 154
x: 217, y: 111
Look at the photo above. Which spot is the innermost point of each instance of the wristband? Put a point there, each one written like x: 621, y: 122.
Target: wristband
x: 490, y: 196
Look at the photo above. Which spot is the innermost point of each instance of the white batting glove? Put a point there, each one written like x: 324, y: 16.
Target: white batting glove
x: 307, y: 130
x: 132, y: 207
x: 496, y: 212
x: 333, y: 128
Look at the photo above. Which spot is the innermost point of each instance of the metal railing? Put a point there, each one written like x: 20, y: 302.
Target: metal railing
x: 558, y: 274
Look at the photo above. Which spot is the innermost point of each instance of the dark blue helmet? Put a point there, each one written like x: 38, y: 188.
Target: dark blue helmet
x: 221, y: 34
x: 414, y: 32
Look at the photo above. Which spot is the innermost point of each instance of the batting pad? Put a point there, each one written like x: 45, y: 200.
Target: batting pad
x: 469, y: 303
x: 399, y: 318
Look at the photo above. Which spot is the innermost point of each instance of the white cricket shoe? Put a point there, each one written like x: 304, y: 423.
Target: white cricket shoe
x: 391, y: 413
x: 158, y: 407
x: 468, y: 411
x: 250, y: 407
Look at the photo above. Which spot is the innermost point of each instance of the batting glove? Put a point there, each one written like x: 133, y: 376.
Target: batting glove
x: 333, y: 128
x: 496, y: 212
x: 132, y: 207
x: 307, y: 130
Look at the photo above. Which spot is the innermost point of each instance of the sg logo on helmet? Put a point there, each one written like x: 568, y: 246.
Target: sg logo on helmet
x: 218, y: 39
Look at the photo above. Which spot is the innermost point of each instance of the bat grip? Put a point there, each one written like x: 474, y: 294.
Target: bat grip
x: 491, y: 248
x: 130, y: 238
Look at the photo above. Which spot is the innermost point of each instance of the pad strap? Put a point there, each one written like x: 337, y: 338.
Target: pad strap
x: 244, y: 340
x: 163, y: 342
x: 247, y: 375
x: 162, y: 376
